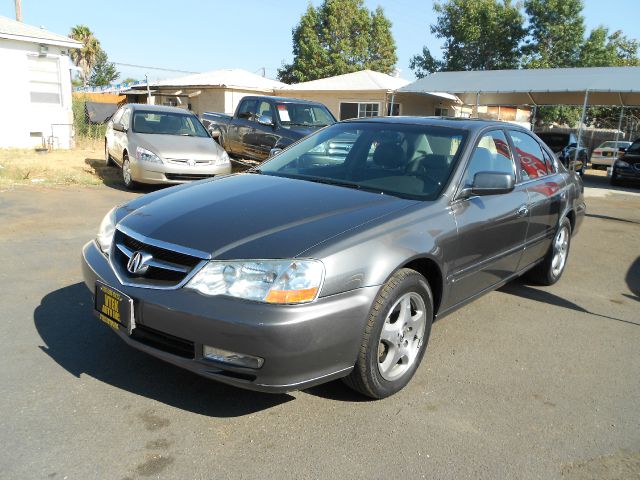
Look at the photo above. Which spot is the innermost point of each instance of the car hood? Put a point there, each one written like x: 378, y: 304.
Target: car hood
x: 255, y: 216
x: 178, y: 146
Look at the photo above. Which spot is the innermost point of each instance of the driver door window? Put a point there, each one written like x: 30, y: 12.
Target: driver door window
x: 247, y: 110
x: 492, y: 154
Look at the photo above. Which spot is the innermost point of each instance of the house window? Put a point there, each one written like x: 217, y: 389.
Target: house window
x: 171, y: 102
x: 44, y: 80
x: 393, y: 109
x: 358, y: 110
x: 442, y: 112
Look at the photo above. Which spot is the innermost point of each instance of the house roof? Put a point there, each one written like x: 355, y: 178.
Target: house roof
x: 231, y: 78
x: 364, y: 80
x: 549, y: 86
x: 13, y: 30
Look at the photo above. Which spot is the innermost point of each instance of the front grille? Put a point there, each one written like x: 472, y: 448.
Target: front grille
x: 185, y: 161
x: 165, y: 268
x: 163, y: 341
x: 187, y: 176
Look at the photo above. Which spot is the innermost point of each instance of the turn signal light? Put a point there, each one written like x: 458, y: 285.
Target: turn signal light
x: 291, y: 296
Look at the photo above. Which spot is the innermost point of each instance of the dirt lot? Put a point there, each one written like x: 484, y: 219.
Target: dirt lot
x: 526, y: 382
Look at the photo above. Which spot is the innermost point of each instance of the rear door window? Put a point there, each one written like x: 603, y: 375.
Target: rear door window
x: 247, y: 109
x: 530, y: 156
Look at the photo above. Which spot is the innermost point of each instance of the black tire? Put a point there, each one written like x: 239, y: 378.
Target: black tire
x: 366, y: 376
x: 128, y: 181
x: 582, y: 169
x: 107, y: 157
x: 614, y: 180
x: 545, y: 273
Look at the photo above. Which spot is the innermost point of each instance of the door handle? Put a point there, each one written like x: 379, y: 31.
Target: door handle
x: 523, y: 211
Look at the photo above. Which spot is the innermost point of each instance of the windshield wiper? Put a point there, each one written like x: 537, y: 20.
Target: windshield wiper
x: 330, y: 181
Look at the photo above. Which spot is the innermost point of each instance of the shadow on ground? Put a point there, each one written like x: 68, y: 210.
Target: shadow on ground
x: 81, y: 344
x: 111, y: 176
x: 520, y: 288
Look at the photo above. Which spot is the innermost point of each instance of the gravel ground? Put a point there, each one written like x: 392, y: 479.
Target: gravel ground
x: 526, y: 382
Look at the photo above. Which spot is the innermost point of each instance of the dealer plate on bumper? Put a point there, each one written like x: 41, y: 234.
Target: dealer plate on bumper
x: 114, y: 307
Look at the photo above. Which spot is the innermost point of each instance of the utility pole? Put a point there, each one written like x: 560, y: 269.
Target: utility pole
x: 19, y: 10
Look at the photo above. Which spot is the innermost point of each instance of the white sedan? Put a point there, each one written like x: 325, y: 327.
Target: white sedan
x: 606, y: 152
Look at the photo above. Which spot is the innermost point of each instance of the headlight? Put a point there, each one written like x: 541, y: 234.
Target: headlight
x: 223, y: 158
x: 271, y: 281
x: 106, y: 231
x: 144, y: 155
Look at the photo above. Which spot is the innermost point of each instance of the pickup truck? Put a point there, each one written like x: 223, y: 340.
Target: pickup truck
x: 262, y: 124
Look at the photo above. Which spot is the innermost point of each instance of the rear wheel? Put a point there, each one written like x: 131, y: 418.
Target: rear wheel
x: 396, y: 336
x: 127, y: 179
x: 552, y: 266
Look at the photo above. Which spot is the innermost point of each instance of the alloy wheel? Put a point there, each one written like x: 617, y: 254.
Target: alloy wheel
x: 560, y: 251
x: 401, y: 336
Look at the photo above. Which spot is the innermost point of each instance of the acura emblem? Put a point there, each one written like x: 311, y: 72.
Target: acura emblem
x: 138, y: 264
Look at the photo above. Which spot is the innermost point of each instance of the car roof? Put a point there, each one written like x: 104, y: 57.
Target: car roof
x: 472, y: 124
x: 158, y: 108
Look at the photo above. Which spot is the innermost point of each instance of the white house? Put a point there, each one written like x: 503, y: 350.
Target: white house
x: 367, y: 93
x: 215, y: 91
x: 35, y: 80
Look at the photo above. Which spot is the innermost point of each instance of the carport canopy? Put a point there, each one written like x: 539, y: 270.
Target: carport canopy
x: 550, y: 86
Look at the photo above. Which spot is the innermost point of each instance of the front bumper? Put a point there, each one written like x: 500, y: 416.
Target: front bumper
x: 627, y: 173
x: 302, y: 345
x: 173, y: 173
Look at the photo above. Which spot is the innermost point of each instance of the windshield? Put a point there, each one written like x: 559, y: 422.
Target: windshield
x: 409, y: 161
x: 615, y: 145
x: 555, y: 141
x: 168, y: 123
x: 300, y: 114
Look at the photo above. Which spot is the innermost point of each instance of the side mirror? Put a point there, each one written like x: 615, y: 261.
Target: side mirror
x: 492, y: 183
x: 265, y: 120
x: 572, y: 145
x: 118, y: 127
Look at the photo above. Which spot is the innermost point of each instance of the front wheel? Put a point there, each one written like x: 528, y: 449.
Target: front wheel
x: 396, y: 336
x: 550, y: 269
x: 127, y: 179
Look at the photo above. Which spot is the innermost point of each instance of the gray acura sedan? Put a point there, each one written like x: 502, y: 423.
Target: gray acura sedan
x: 328, y: 263
x: 162, y: 145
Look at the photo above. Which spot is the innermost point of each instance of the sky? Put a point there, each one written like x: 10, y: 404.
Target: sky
x: 200, y: 35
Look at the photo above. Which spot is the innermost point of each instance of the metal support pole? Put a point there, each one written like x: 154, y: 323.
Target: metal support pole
x: 393, y: 97
x: 146, y: 78
x: 582, y: 118
x: 477, y: 104
x: 533, y: 117
x: 619, y: 124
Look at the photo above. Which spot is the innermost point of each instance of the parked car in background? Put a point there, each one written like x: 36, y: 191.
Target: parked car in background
x: 156, y: 144
x: 604, y: 155
x: 262, y: 124
x: 332, y: 259
x: 563, y: 145
x: 627, y: 167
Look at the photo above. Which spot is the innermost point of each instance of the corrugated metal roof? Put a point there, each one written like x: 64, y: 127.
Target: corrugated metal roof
x: 231, y: 78
x: 358, y: 81
x: 13, y: 30
x: 550, y: 86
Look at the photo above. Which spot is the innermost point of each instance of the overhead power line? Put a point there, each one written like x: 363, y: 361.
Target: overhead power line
x: 152, y: 68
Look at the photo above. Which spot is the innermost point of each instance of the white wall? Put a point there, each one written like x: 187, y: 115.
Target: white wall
x: 19, y: 115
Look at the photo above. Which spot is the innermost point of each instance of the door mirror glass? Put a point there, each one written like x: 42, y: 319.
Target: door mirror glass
x: 265, y: 120
x: 492, y: 183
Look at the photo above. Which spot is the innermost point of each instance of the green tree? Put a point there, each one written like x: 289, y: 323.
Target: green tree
x: 85, y: 56
x: 602, y: 49
x: 478, y: 35
x: 337, y: 37
x: 556, y: 32
x: 103, y: 72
